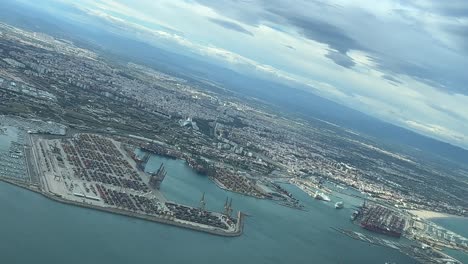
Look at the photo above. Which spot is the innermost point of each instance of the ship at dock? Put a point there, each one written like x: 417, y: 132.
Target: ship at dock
x: 321, y: 196
x: 380, y: 219
x: 157, y: 177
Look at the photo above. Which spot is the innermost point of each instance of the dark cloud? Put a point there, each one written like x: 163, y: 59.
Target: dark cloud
x: 404, y: 46
x: 341, y: 59
x: 323, y: 32
x: 447, y: 111
x: 452, y: 8
x: 457, y: 11
x: 431, y: 72
x: 460, y: 30
x: 231, y: 26
x: 460, y: 33
x: 317, y: 30
x: 309, y: 27
x: 391, y: 79
x: 399, y: 66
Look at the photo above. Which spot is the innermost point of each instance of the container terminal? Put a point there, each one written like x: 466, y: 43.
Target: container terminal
x: 95, y: 171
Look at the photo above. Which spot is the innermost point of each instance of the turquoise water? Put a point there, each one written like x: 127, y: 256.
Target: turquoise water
x: 459, y: 226
x: 459, y: 255
x: 36, y: 230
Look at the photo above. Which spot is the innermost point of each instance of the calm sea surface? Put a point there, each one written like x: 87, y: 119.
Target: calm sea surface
x: 459, y: 226
x: 34, y: 229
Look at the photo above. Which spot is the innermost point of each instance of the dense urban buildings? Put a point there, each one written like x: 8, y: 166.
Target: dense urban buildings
x: 81, y: 118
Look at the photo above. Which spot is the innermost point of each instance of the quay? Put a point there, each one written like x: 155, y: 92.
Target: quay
x: 94, y: 171
x: 219, y: 232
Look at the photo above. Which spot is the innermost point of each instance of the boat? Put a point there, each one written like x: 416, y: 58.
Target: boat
x: 157, y: 177
x: 321, y: 196
x: 354, y: 215
x: 339, y: 205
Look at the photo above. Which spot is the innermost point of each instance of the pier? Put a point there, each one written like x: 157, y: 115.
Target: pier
x: 93, y: 171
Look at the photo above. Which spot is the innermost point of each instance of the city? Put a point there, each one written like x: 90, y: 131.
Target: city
x: 84, y: 128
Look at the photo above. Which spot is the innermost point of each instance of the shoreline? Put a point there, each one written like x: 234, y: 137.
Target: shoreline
x: 223, y: 187
x: 428, y: 215
x: 218, y: 232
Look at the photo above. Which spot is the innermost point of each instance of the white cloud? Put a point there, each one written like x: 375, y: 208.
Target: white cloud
x: 410, y: 103
x: 439, y: 131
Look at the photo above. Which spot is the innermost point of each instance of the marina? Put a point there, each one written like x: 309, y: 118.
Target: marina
x: 12, y: 161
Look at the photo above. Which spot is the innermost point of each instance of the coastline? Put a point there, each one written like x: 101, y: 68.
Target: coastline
x: 218, y: 232
x: 223, y: 187
x: 427, y: 215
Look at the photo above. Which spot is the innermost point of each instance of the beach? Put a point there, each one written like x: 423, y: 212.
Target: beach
x: 425, y: 214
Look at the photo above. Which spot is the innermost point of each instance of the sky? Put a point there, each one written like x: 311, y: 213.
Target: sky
x: 405, y: 62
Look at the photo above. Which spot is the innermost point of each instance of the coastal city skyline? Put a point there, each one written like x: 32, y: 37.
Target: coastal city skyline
x: 399, y: 61
x: 251, y: 131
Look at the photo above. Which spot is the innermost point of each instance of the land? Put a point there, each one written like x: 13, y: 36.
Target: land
x: 424, y: 214
x: 385, y: 219
x: 420, y: 252
x: 94, y: 171
x: 98, y: 172
x: 243, y: 144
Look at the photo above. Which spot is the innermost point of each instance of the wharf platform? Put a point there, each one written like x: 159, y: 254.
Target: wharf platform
x: 196, y: 227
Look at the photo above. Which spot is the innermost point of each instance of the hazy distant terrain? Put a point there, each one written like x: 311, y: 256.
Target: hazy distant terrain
x: 304, y: 104
x: 94, y: 103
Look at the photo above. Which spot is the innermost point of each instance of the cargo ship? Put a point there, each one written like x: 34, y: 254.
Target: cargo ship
x: 381, y: 229
x: 380, y: 219
x: 157, y: 177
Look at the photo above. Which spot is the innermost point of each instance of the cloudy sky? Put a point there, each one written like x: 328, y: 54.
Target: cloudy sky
x: 406, y: 63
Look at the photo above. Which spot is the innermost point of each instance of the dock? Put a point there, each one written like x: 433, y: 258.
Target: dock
x: 93, y: 171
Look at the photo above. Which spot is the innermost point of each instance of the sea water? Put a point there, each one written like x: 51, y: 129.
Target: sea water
x: 34, y: 229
